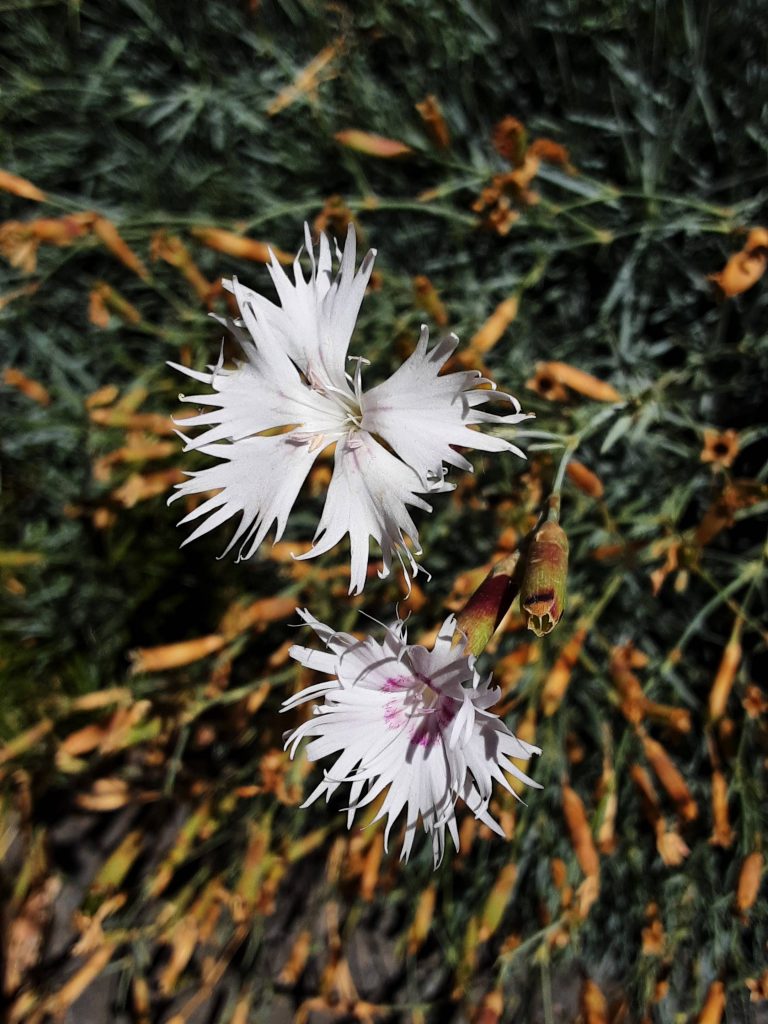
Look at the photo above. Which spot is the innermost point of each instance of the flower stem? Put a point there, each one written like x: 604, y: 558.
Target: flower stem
x: 544, y: 435
x: 557, y: 485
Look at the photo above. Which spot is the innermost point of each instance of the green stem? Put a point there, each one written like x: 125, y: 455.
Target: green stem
x: 545, y: 435
x: 546, y: 992
x: 748, y: 573
x: 557, y: 485
x: 377, y: 205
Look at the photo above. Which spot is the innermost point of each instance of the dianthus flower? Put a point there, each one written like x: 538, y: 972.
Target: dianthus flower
x: 291, y: 397
x: 400, y: 718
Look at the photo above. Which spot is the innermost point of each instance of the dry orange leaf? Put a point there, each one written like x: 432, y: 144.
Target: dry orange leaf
x: 494, y: 327
x: 25, y: 933
x: 157, y: 659
x: 18, y: 186
x: 91, y: 929
x: 238, y: 618
x: 336, y: 216
x: 432, y: 115
x: 103, y: 298
x: 108, y: 234
x: 490, y: 1009
x: 552, y: 152
x: 672, y: 848
x: 757, y: 238
x: 755, y: 703
x: 25, y: 741
x: 557, y: 681
x: 132, y: 399
x: 735, y: 495
x: 297, y: 959
x: 102, y: 396
x: 98, y: 314
x: 29, y: 388
x: 83, y: 740
x: 142, y: 486
x: 748, y: 885
x: 237, y: 245
x: 171, y: 249
x: 422, y: 919
x: 726, y: 674
x: 372, y: 144
x: 722, y: 833
x: 105, y: 795
x: 714, y: 1004
x: 141, y: 999
x: 137, y: 449
x: 154, y: 422
x: 586, y: 481
x: 318, y: 70
x: 593, y: 1004
x: 19, y: 246
x: 183, y: 943
x: 559, y: 872
x: 653, y: 937
x: 20, y: 240
x: 580, y: 832
x: 60, y: 1001
x: 510, y: 139
x: 544, y: 384
x: 370, y: 877
x: 648, y: 794
x: 429, y: 300
x: 18, y: 293
x: 581, y: 381
x: 744, y: 268
x: 758, y: 987
x: 678, y: 719
x: 497, y: 902
x: 102, y: 698
x: 607, y: 793
x: 670, y: 777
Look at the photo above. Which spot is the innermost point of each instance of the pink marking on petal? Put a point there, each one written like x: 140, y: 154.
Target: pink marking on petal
x: 397, y: 683
x: 446, y: 713
x: 430, y: 730
x: 393, y: 715
x: 426, y: 736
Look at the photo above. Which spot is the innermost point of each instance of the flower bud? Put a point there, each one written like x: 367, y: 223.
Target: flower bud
x: 542, y: 593
x: 485, y: 609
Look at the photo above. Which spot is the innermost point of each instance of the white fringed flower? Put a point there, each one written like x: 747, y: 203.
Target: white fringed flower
x: 291, y: 397
x: 398, y: 715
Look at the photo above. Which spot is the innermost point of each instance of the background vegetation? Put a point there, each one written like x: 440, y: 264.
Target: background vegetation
x: 156, y: 864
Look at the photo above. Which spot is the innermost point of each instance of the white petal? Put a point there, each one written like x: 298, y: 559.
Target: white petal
x: 338, y: 642
x: 368, y: 497
x: 342, y: 303
x: 315, y: 318
x: 259, y: 477
x: 422, y: 415
x: 319, y: 661
x: 461, y: 729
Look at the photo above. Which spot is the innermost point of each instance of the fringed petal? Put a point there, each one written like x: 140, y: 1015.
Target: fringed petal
x: 423, y: 416
x: 402, y: 722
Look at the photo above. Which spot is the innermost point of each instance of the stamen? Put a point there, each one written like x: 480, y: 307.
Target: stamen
x: 318, y: 441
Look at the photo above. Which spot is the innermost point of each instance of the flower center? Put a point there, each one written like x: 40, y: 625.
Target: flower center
x: 420, y: 709
x: 348, y: 406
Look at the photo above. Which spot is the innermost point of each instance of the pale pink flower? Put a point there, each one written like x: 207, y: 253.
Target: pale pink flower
x: 401, y: 720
